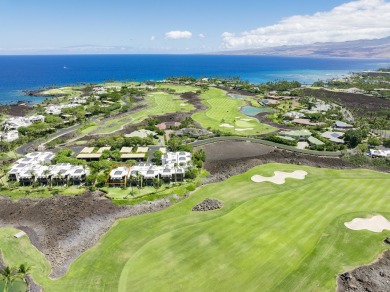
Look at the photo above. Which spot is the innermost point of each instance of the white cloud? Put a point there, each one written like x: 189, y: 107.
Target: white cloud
x: 362, y: 19
x: 152, y: 38
x: 201, y: 35
x: 177, y: 34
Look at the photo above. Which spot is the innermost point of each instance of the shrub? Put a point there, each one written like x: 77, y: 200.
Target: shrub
x: 280, y: 140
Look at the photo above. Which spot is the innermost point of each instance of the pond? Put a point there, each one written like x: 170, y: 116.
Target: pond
x: 252, y: 111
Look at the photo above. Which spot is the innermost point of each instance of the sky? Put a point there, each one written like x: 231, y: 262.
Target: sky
x: 179, y: 27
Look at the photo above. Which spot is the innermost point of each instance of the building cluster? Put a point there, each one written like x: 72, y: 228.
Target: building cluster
x: 37, y: 167
x: 334, y: 135
x: 173, y: 168
x: 127, y: 153
x: 57, y: 109
x: 102, y: 90
x: 11, y: 125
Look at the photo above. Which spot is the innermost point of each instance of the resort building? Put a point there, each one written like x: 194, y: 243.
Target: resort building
x: 193, y: 132
x: 9, y: 136
x: 342, y: 126
x: 305, y: 122
x: 174, y: 159
x: 35, y: 167
x: 136, y: 153
x: 13, y: 123
x: 89, y: 153
x: 315, y: 142
x: 173, y: 168
x: 294, y: 115
x: 335, y: 137
x: 297, y: 135
x: 57, y: 109
x: 141, y: 134
x: 119, y: 175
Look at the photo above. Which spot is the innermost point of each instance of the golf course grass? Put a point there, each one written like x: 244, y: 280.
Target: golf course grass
x: 158, y: 103
x: 224, y: 114
x: 267, y: 237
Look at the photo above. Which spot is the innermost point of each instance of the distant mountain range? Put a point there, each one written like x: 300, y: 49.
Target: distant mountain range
x: 377, y: 48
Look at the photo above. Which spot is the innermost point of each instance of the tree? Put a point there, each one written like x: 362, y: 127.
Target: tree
x: 386, y: 143
x: 116, y: 155
x: 157, y: 183
x: 23, y: 271
x: 101, y: 179
x: 8, y: 275
x: 354, y: 137
x: 373, y: 141
x: 59, y: 177
x: 157, y: 155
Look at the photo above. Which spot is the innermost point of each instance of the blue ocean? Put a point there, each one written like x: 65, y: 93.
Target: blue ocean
x: 18, y: 73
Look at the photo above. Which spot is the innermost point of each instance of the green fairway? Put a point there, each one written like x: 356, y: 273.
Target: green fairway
x: 267, y: 237
x: 224, y: 114
x: 158, y: 103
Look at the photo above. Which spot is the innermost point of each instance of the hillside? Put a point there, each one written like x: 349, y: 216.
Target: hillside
x: 377, y: 48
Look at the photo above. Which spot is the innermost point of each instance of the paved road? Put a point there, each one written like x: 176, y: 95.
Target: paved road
x: 264, y: 142
x: 24, y: 148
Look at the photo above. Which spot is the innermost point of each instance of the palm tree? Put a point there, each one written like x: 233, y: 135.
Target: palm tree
x: 8, y: 275
x: 59, y: 177
x: 46, y: 173
x: 23, y: 272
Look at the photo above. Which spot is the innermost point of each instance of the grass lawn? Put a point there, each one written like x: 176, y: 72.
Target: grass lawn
x: 17, y: 251
x: 69, y: 90
x: 124, y: 197
x: 224, y: 114
x: 178, y: 88
x: 41, y: 192
x: 159, y: 103
x: 266, y: 237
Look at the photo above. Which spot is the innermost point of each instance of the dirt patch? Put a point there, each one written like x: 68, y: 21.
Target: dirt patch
x: 239, y: 92
x: 16, y: 110
x: 232, y: 150
x: 264, y: 119
x: 359, y: 104
x: 208, y: 205
x: 374, y: 277
x: 62, y: 228
x: 194, y: 99
x: 225, y: 159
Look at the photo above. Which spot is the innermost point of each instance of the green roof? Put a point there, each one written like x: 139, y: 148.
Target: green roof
x: 315, y: 141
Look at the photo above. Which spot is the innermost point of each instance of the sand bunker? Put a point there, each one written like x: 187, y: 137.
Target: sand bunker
x: 280, y: 176
x: 226, y: 126
x: 376, y: 223
x: 246, y: 129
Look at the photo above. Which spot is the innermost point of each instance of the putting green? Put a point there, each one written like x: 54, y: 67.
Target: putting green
x: 267, y: 237
x: 223, y: 109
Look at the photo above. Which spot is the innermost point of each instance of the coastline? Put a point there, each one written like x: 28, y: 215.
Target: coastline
x: 96, y: 69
